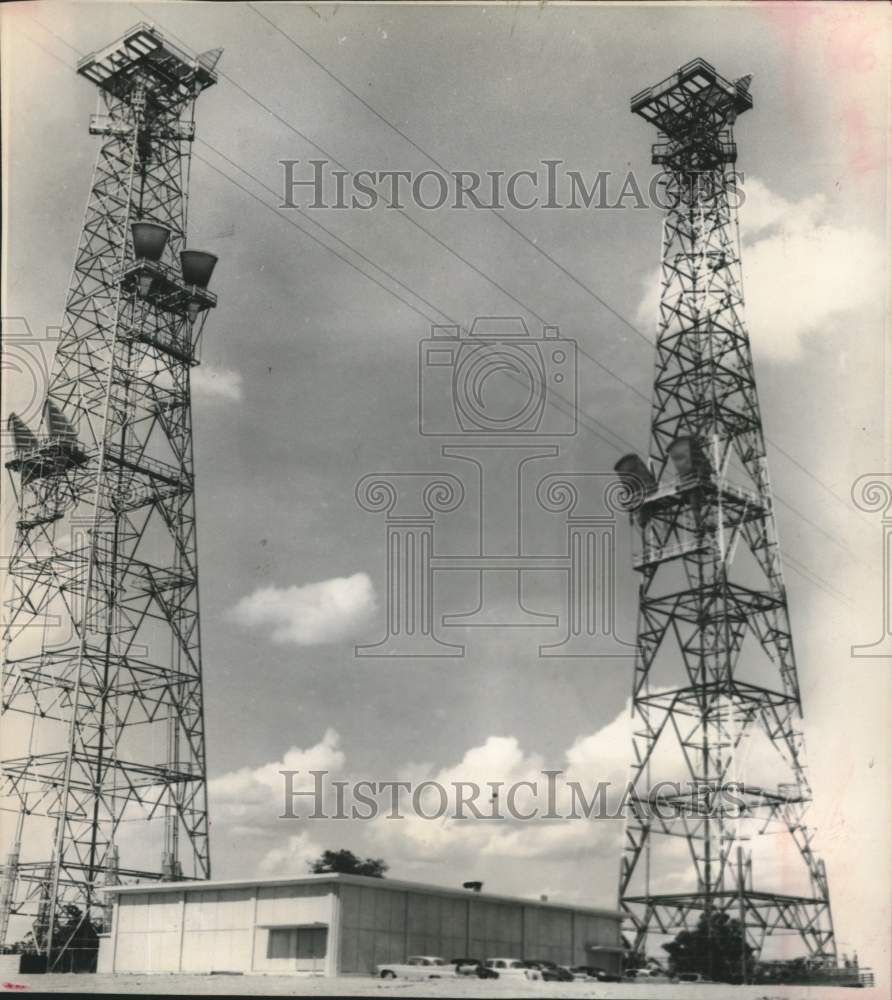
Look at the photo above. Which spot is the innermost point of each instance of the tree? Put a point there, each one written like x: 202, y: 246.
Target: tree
x: 715, y: 948
x: 73, y: 930
x: 632, y: 959
x: 347, y: 863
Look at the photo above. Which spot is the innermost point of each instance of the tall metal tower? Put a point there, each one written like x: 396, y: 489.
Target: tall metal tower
x: 715, y: 697
x: 104, y: 771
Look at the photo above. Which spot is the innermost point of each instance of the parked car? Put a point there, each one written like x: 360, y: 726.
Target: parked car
x: 417, y: 967
x: 597, y: 974
x: 551, y: 971
x: 588, y: 974
x: 512, y: 968
x: 691, y: 977
x: 578, y: 977
x: 647, y: 976
x: 473, y: 967
x: 580, y: 974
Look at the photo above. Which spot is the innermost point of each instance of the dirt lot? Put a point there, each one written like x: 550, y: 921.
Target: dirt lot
x: 165, y: 985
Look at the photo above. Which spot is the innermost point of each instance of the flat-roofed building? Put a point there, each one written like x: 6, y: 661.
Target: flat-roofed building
x: 340, y: 924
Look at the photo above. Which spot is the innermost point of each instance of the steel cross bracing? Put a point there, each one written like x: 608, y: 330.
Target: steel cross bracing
x: 104, y: 773
x: 711, y: 587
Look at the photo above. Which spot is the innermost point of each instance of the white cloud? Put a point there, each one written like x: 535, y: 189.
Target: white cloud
x: 293, y: 858
x: 238, y: 792
x: 246, y: 804
x: 802, y: 273
x: 763, y: 210
x: 311, y: 614
x: 209, y: 382
x: 603, y: 756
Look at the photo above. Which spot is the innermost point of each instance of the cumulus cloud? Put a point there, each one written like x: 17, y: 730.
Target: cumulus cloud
x: 293, y: 858
x: 603, y: 756
x: 247, y: 803
x: 591, y: 759
x: 311, y: 614
x: 763, y: 210
x: 209, y: 382
x: 254, y: 795
x: 802, y: 272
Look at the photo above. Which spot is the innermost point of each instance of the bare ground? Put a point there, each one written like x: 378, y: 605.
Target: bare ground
x: 366, y: 986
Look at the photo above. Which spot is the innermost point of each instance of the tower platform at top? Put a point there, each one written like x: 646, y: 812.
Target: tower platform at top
x: 144, y: 52
x: 694, y: 110
x: 693, y: 92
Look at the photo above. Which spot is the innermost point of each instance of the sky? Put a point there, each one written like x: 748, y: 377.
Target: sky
x: 309, y: 382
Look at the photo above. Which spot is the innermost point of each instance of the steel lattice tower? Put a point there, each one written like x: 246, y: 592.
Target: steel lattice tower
x: 715, y: 669
x: 102, y: 681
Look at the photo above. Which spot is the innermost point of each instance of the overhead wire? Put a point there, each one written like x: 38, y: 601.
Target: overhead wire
x: 401, y: 212
x: 590, y: 423
x: 503, y: 219
x: 586, y: 419
x: 779, y: 499
x: 539, y: 249
x: 440, y: 166
x: 582, y: 416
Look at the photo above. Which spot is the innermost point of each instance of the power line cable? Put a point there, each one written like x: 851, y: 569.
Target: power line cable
x: 310, y: 235
x: 532, y: 243
x: 306, y: 232
x: 586, y: 419
x: 400, y: 211
x: 523, y: 305
x: 440, y: 166
x: 505, y: 221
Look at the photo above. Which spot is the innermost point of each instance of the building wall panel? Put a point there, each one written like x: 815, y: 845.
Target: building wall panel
x: 216, y: 950
x: 293, y: 904
x: 148, y: 933
x: 164, y: 951
x: 134, y: 913
x: 349, y: 958
x: 197, y: 950
x: 132, y: 952
x: 496, y: 929
x: 105, y: 959
x: 593, y: 931
x: 164, y: 912
x: 367, y: 899
x: 375, y: 924
x: 199, y: 915
x: 549, y: 935
x: 234, y: 909
x: 397, y: 911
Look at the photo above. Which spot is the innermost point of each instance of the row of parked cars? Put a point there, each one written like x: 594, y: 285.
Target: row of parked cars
x: 434, y: 967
